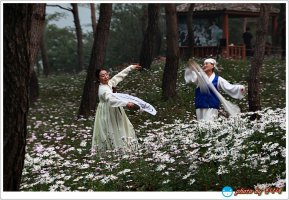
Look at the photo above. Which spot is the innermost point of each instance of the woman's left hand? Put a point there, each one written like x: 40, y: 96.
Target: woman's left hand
x: 243, y: 90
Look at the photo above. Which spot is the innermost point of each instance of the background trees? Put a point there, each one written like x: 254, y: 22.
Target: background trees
x: 126, y: 25
x: 22, y: 33
x: 89, y: 96
x: 150, y: 43
x: 257, y: 60
x: 172, y: 55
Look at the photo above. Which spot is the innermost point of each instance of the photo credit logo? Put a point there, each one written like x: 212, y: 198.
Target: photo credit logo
x: 227, y: 191
x: 258, y: 191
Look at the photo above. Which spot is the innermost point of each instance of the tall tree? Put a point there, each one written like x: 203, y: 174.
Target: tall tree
x: 172, y: 55
x: 190, y: 12
x: 89, y: 96
x: 78, y: 31
x: 22, y: 23
x: 148, y: 44
x: 257, y: 60
x: 282, y: 28
x: 79, y: 37
x: 93, y: 18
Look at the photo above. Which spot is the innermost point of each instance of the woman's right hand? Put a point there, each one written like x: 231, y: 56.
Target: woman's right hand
x: 130, y: 105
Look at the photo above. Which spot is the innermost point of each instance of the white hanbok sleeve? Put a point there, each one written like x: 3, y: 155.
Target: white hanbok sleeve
x: 108, y: 97
x: 120, y: 76
x: 232, y: 90
x: 190, y: 76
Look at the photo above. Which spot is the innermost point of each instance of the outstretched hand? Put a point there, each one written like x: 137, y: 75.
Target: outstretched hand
x: 136, y: 66
x: 130, y: 105
x: 243, y: 90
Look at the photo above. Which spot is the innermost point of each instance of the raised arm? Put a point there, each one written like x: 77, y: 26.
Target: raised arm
x: 120, y: 76
x: 234, y: 90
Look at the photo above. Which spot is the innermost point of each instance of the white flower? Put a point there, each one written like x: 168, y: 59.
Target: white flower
x: 192, y: 181
x: 84, y: 166
x: 186, y: 176
x: 160, y: 167
x: 124, y: 171
x: 222, y: 170
x: 166, y: 181
x: 83, y: 143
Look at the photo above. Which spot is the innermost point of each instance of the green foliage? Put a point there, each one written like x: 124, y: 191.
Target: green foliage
x: 61, y: 47
x: 125, y: 35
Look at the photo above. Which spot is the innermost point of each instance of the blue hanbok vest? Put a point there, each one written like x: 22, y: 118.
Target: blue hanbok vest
x: 207, y: 100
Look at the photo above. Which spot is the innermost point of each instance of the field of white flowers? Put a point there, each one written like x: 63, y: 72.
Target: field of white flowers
x: 176, y: 153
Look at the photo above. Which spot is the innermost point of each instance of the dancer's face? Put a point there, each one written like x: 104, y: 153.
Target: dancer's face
x: 103, y: 77
x: 208, y: 67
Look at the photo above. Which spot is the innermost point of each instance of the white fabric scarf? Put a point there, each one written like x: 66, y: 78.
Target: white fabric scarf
x: 141, y: 103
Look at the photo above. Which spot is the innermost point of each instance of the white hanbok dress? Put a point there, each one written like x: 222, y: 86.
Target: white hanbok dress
x: 210, y: 114
x: 112, y: 129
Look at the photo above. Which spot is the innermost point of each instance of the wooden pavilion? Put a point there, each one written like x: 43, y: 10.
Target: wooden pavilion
x: 211, y: 27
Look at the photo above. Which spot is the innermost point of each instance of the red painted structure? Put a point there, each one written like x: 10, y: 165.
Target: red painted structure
x: 224, y: 11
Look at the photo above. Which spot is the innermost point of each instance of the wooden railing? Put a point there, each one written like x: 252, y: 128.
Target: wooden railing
x: 200, y: 52
x: 235, y: 52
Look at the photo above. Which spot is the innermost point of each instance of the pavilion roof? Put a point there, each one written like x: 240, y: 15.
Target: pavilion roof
x: 234, y: 8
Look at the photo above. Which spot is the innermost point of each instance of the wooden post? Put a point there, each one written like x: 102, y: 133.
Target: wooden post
x: 243, y: 52
x: 244, y: 24
x: 226, y: 33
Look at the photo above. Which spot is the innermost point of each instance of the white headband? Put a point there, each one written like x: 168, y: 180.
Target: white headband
x: 213, y: 61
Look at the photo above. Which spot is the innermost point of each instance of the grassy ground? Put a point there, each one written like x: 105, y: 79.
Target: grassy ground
x: 176, y: 153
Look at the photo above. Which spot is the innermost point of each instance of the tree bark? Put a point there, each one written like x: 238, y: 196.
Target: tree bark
x: 257, y: 60
x: 79, y: 37
x: 21, y: 43
x: 37, y: 31
x: 93, y: 18
x: 189, y: 53
x: 282, y: 23
x: 89, y: 96
x: 148, y: 44
x: 172, y: 56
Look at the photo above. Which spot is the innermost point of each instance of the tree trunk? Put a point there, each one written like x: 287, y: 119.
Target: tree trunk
x: 21, y: 43
x: 44, y: 55
x: 257, y: 60
x: 190, y: 12
x: 79, y: 37
x: 144, y: 19
x: 93, y: 18
x: 282, y: 23
x: 148, y: 44
x: 37, y: 31
x: 89, y: 96
x: 172, y: 56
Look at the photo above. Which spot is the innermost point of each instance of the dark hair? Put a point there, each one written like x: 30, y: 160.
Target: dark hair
x: 98, y: 72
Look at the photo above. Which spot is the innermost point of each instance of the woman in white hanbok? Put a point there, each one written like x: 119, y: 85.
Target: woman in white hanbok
x: 207, y: 105
x: 112, y: 129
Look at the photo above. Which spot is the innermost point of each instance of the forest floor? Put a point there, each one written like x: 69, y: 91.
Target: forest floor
x: 176, y: 152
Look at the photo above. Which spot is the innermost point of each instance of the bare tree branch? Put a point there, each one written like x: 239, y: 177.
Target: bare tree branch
x: 68, y: 9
